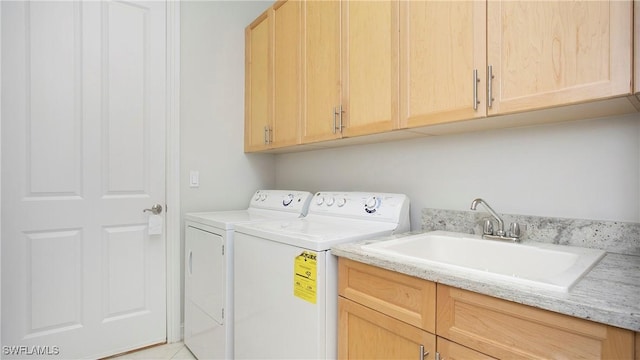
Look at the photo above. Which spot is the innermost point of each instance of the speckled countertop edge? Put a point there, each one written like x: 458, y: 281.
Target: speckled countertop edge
x: 609, y: 293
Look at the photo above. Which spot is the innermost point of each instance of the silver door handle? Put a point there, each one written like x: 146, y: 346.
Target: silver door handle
x: 155, y: 209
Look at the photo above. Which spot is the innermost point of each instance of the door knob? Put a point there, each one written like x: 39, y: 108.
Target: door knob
x: 155, y: 209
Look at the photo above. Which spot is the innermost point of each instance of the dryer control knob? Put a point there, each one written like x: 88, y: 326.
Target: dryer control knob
x: 371, y: 204
x: 288, y: 200
x: 263, y: 197
x: 330, y: 201
x: 319, y: 200
x: 341, y: 202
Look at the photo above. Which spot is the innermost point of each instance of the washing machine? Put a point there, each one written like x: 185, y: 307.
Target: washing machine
x: 286, y: 289
x: 209, y: 247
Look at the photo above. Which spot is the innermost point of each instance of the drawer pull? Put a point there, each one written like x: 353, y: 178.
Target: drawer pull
x: 423, y: 353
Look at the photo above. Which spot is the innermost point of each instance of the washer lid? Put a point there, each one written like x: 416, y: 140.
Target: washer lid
x: 316, y: 232
x: 226, y: 220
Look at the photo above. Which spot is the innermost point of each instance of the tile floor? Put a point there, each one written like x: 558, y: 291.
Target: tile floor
x: 175, y: 351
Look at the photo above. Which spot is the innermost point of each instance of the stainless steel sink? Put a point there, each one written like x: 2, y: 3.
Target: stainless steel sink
x: 542, y: 265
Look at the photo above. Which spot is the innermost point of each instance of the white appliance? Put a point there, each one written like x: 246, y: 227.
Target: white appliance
x: 286, y: 289
x: 209, y: 243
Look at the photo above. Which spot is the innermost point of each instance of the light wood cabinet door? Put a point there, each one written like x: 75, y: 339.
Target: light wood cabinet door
x: 367, y: 334
x: 508, y: 330
x: 321, y: 70
x: 441, y: 44
x: 369, y: 67
x: 451, y: 351
x: 550, y: 53
x: 287, y: 99
x: 257, y: 84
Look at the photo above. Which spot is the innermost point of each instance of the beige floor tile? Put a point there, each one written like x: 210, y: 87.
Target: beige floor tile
x: 159, y: 352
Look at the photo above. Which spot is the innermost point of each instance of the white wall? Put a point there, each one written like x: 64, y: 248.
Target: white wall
x: 212, y: 107
x: 587, y: 169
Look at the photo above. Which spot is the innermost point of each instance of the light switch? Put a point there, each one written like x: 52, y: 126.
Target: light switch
x: 194, y: 179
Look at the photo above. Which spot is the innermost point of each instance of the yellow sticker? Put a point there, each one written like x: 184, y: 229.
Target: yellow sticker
x: 304, y: 276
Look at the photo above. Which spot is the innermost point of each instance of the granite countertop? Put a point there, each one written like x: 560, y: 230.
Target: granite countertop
x: 609, y: 293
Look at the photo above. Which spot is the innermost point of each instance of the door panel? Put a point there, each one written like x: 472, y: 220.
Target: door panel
x: 54, y: 283
x: 125, y: 120
x: 83, y: 134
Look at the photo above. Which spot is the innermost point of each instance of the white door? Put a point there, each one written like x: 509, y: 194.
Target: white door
x: 83, y: 149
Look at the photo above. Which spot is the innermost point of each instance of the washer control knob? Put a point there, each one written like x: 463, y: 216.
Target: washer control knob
x: 371, y: 204
x: 288, y: 200
x: 330, y: 201
x: 341, y: 202
x: 257, y: 197
x: 263, y: 197
x: 319, y: 200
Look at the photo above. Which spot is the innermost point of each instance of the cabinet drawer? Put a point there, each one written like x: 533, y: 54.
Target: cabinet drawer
x: 403, y: 297
x: 508, y: 330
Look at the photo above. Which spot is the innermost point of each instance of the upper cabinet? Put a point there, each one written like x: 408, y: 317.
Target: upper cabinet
x: 326, y: 70
x: 273, y: 78
x: 350, y: 68
x: 442, y: 61
x: 548, y: 53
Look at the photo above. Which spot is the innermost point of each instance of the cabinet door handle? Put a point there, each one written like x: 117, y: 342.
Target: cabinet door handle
x: 190, y: 262
x: 490, y: 81
x: 475, y: 89
x: 337, y: 118
x: 334, y: 119
x: 423, y: 353
x: 266, y: 135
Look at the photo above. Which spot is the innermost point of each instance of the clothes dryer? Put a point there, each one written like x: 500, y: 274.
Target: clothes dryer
x: 209, y: 246
x: 286, y: 288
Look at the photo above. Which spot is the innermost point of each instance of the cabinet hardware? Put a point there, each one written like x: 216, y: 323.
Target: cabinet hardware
x: 475, y: 89
x: 423, y: 353
x: 267, y: 134
x: 490, y: 92
x: 438, y: 356
x: 334, y: 120
x: 337, y: 123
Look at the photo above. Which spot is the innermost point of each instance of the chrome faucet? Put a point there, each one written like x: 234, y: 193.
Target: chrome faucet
x: 500, y: 234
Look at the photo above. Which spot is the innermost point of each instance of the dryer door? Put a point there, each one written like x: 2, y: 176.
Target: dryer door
x: 204, y: 273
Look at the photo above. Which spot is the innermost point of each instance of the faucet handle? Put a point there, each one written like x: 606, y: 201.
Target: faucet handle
x: 514, y: 230
x: 487, y: 228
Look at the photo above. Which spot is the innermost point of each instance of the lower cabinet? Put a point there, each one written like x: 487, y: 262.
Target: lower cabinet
x: 388, y: 315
